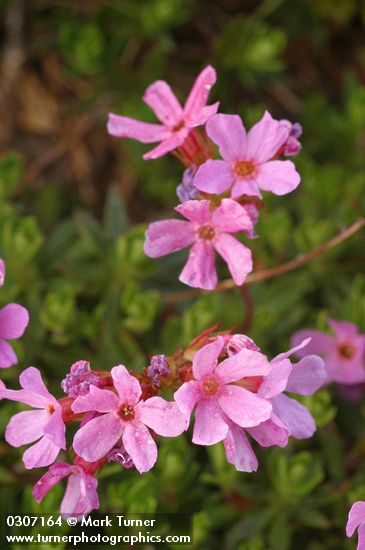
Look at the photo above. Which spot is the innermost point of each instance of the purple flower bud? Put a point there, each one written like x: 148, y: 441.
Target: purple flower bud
x: 238, y: 342
x: 186, y: 190
x: 79, y: 379
x: 292, y: 146
x: 158, y: 367
x: 120, y: 455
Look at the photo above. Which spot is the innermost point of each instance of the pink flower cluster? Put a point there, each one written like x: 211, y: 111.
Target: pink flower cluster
x: 233, y: 389
x: 220, y: 196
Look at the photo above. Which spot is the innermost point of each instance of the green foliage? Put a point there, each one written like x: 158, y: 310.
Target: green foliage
x: 73, y: 245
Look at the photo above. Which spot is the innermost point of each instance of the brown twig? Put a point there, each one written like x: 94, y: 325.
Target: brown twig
x: 270, y: 273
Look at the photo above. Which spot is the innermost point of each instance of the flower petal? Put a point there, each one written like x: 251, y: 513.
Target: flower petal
x: 2, y: 272
x: 278, y: 176
x: 199, y: 94
x: 231, y: 217
x: 271, y: 432
x: 344, y: 329
x: 170, y: 143
x: 187, y: 397
x: 55, y: 474
x: 168, y: 236
x: 320, y: 342
x: 127, y: 386
x: 356, y: 517
x: 307, y: 376
x: 228, y: 132
x: 164, y: 417
x: 97, y: 437
x: 41, y: 454
x: 209, y: 427
x: 276, y: 380
x: 196, y: 211
x: 80, y: 496
x: 140, y: 446
x: 244, y: 363
x: 199, y: 270
x: 7, y: 355
x: 96, y: 400
x: 13, y: 321
x: 295, y: 416
x: 206, y: 359
x: 55, y: 429
x: 31, y: 380
x: 237, y: 256
x: 245, y: 186
x: 125, y: 127
x: 161, y: 99
x: 214, y: 176
x: 239, y: 451
x: 243, y: 407
x: 26, y: 427
x: 265, y: 139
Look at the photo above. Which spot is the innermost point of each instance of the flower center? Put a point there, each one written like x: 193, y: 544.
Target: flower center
x: 178, y: 126
x: 126, y: 412
x: 243, y: 168
x: 210, y: 387
x: 347, y: 351
x: 206, y: 232
x: 51, y: 409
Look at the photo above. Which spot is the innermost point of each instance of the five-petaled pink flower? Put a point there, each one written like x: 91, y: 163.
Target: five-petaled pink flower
x: 125, y: 416
x: 356, y: 520
x: 81, y: 495
x: 44, y: 425
x: 249, y: 162
x: 208, y: 230
x: 220, y: 403
x: 288, y: 417
x: 344, y: 352
x: 177, y: 121
x: 14, y: 319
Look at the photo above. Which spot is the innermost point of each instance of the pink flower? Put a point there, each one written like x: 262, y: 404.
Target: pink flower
x: 14, y: 320
x: 177, y: 121
x: 248, y: 163
x: 220, y: 403
x: 305, y: 378
x: 44, y: 425
x: 356, y: 520
x: 288, y: 417
x: 126, y: 417
x: 208, y: 230
x: 2, y: 272
x: 81, y: 495
x: 343, y: 352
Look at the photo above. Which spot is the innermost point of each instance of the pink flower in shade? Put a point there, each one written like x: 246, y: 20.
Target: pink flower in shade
x: 220, y: 403
x: 343, y: 351
x: 176, y: 121
x: 292, y: 146
x: 248, y: 163
x: 81, y: 495
x: 208, y: 230
x: 2, y: 272
x: 125, y: 416
x: 44, y: 425
x: 356, y: 520
x: 14, y: 320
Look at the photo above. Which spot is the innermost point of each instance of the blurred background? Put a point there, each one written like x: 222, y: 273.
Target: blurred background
x: 74, y: 203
